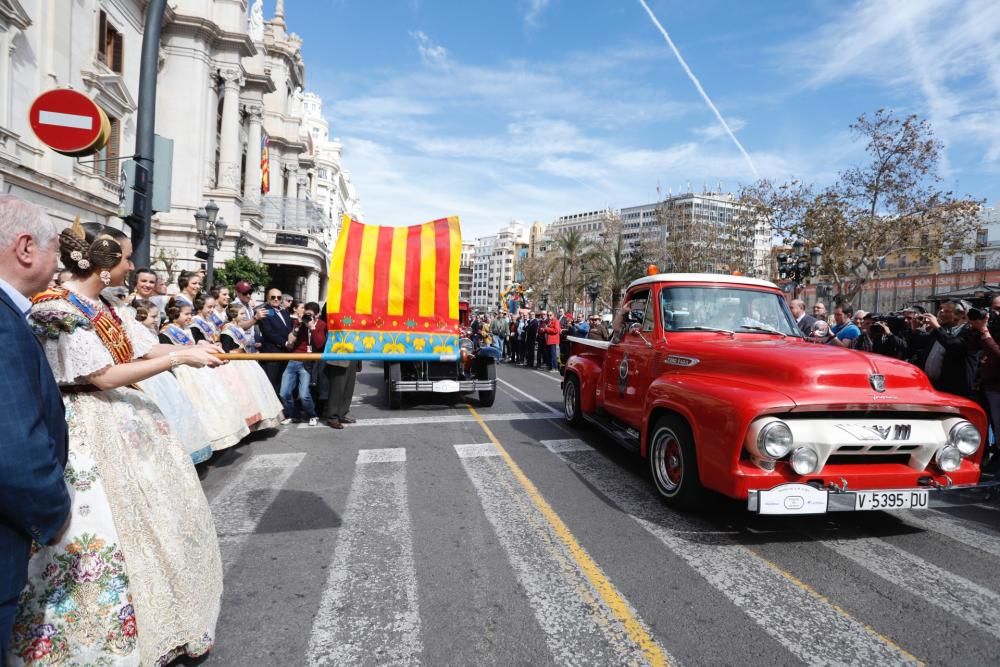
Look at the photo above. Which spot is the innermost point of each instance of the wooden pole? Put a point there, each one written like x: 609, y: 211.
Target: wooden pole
x: 270, y: 356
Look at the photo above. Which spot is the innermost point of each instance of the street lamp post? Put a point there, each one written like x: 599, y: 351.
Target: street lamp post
x: 593, y: 290
x: 545, y: 299
x: 211, y: 233
x: 799, y: 265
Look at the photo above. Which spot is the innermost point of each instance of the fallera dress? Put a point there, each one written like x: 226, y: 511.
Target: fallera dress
x: 137, y: 578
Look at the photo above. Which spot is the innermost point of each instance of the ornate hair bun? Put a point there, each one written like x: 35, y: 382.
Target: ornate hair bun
x: 73, y: 246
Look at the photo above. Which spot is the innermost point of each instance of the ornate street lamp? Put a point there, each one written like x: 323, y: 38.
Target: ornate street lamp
x: 799, y: 265
x: 211, y: 233
x: 593, y: 290
x: 243, y: 243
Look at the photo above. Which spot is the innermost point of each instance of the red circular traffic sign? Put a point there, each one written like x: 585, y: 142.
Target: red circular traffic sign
x: 69, y: 122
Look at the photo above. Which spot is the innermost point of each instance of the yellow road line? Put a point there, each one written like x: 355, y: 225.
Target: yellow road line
x: 840, y: 610
x: 609, y: 594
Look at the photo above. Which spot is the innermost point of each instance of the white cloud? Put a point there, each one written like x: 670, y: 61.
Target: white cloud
x: 947, y: 50
x: 715, y: 131
x: 534, y: 9
x: 431, y: 54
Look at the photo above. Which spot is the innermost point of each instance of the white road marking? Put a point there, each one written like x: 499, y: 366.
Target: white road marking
x: 802, y: 621
x: 972, y: 603
x: 568, y: 445
x: 549, y: 376
x: 369, y: 612
x: 579, y: 627
x: 240, y: 505
x: 548, y: 407
x: 961, y: 530
x: 387, y: 455
x: 65, y: 120
x: 453, y: 419
x: 477, y: 450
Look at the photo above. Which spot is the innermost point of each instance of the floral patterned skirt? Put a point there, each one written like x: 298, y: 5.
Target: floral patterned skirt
x: 137, y: 579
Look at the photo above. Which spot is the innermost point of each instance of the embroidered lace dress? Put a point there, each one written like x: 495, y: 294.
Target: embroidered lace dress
x: 233, y: 379
x: 210, y: 396
x: 137, y: 579
x: 254, y: 379
x: 164, y: 389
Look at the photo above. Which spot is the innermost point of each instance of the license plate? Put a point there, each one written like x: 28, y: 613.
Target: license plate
x: 446, y: 386
x: 890, y: 500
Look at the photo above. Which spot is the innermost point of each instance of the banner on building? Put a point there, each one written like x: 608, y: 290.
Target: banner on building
x: 265, y: 164
x: 394, y: 292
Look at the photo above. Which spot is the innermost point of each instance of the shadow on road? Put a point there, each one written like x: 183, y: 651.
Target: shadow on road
x: 297, y: 510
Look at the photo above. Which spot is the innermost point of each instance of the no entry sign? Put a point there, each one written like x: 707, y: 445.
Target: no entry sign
x: 69, y: 122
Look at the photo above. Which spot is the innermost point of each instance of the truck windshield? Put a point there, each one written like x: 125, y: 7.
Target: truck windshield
x: 729, y: 309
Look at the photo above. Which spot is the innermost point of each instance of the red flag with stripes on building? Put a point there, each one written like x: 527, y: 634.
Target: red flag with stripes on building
x: 394, y: 291
x: 265, y: 164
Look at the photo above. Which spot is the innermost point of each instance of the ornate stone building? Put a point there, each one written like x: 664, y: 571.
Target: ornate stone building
x: 227, y: 78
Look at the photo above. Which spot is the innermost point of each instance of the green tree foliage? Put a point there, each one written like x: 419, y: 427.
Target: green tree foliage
x: 242, y: 268
x: 891, y: 203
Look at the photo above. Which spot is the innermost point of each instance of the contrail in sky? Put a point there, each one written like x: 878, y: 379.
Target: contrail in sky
x: 697, y: 84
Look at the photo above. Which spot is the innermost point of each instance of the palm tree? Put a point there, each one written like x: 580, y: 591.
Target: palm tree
x: 570, y: 250
x: 614, y: 265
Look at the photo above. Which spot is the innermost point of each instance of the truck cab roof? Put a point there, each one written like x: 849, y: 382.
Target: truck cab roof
x: 702, y: 278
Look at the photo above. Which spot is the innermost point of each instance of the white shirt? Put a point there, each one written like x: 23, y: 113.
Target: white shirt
x: 22, y: 302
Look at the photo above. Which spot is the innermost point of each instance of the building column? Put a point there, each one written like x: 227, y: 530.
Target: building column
x: 7, y: 93
x: 229, y: 140
x: 303, y: 189
x: 211, y: 116
x: 312, y: 286
x: 252, y: 194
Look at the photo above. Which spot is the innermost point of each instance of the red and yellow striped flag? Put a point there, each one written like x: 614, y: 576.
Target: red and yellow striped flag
x: 394, y: 291
x: 265, y: 163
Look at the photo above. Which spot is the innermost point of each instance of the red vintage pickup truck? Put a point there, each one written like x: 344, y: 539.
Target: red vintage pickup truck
x: 710, y: 380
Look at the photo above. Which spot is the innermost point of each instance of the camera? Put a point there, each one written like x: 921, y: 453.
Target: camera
x: 978, y: 314
x: 307, y: 318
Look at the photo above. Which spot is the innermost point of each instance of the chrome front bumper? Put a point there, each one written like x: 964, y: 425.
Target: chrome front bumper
x: 844, y: 501
x: 443, y: 386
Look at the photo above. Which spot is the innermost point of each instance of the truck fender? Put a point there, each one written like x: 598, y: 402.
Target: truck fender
x: 718, y: 411
x: 588, y: 372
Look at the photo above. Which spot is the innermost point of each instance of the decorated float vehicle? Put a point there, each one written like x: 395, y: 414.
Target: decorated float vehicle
x: 709, y: 379
x: 394, y: 298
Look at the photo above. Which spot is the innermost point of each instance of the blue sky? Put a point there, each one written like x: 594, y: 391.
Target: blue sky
x: 530, y: 109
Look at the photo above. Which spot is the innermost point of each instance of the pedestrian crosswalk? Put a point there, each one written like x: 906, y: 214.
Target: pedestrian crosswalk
x: 369, y: 609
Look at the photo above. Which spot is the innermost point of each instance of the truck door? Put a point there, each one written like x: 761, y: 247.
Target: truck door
x: 627, y: 361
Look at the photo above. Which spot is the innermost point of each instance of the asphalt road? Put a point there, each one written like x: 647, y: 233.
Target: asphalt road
x: 444, y: 535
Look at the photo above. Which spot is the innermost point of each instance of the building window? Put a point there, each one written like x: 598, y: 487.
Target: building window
x: 106, y: 160
x: 982, y: 238
x: 980, y: 262
x: 109, y: 44
x: 956, y: 264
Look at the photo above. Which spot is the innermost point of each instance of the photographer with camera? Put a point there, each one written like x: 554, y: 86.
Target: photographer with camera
x: 951, y: 349
x: 888, y: 335
x: 296, y: 376
x: 986, y: 325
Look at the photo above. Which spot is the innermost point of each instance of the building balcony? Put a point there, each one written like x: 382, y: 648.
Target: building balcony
x: 298, y: 215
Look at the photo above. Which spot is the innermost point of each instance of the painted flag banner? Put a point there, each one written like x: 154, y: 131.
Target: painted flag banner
x: 265, y: 163
x: 394, y: 292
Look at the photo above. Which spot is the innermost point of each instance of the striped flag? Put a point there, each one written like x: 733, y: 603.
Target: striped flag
x: 265, y: 163
x: 394, y: 291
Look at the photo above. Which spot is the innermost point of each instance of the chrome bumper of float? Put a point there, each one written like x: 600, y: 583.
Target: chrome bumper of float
x: 443, y: 386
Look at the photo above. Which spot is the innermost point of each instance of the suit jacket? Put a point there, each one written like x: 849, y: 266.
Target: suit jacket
x: 34, y: 500
x: 806, y: 324
x: 274, y: 330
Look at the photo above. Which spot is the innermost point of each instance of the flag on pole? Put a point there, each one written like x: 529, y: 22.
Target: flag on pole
x: 394, y: 292
x: 265, y: 164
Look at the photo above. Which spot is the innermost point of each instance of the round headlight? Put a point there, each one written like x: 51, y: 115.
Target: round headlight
x: 775, y: 439
x: 948, y: 458
x: 804, y: 460
x: 965, y: 436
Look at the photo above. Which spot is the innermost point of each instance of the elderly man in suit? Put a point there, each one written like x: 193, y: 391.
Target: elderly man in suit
x: 275, y: 329
x: 34, y: 500
x: 803, y: 320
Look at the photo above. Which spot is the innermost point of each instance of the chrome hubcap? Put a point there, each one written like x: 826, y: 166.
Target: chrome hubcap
x: 668, y: 462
